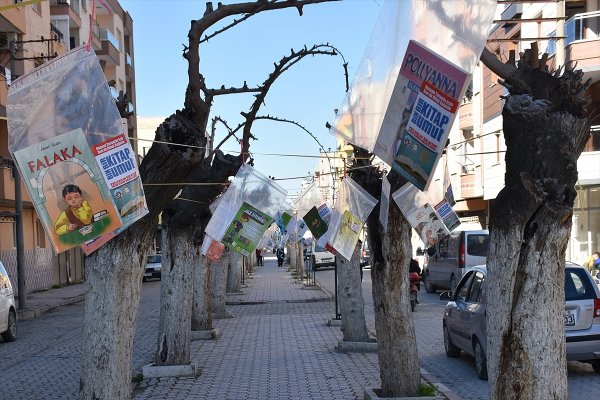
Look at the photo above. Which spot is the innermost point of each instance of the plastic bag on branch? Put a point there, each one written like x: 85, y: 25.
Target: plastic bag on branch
x: 429, y: 213
x: 246, y: 210
x: 71, y: 148
x: 405, y: 66
x: 352, y: 208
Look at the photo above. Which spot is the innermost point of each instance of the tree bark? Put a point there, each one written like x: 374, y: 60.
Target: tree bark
x: 180, y: 256
x: 234, y: 273
x: 397, y: 345
x: 218, y: 273
x: 352, y: 306
x: 202, y: 304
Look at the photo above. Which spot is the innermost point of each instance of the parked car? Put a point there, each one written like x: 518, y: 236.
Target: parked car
x: 464, y: 322
x: 321, y: 257
x: 453, y: 256
x: 365, y: 255
x: 153, y: 267
x: 8, y: 311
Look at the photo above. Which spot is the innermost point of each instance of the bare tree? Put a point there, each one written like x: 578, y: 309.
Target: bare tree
x: 545, y: 127
x: 114, y: 272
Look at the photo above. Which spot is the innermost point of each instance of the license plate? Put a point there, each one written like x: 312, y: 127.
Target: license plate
x: 147, y: 273
x: 327, y: 259
x: 569, y: 319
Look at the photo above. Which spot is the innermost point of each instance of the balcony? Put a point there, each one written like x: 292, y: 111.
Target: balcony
x: 129, y: 72
x: 64, y: 7
x: 583, y: 40
x: 110, y: 51
x: 465, y: 116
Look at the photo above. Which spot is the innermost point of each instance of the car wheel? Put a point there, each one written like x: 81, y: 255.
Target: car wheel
x: 144, y: 279
x: 480, y: 361
x: 11, y: 333
x: 451, y: 349
x: 596, y: 366
x: 452, y: 283
x: 429, y: 288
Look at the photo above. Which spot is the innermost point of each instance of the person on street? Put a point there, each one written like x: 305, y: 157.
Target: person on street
x: 280, y: 257
x: 593, y: 263
x: 259, y: 257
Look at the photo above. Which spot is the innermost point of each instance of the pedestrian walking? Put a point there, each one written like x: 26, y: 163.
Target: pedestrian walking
x: 259, y: 257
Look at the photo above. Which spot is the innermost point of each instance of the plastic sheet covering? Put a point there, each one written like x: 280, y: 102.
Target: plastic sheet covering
x: 309, y: 198
x: 384, y: 205
x: 69, y: 143
x: 251, y: 187
x: 456, y: 29
x: 351, y: 210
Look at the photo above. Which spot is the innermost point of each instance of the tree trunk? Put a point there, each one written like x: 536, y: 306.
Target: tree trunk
x: 202, y: 304
x: 352, y: 306
x: 397, y: 345
x: 234, y: 273
x: 218, y: 282
x: 180, y: 256
x: 113, y: 279
x: 530, y: 228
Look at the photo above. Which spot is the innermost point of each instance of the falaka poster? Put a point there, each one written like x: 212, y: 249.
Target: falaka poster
x: 246, y: 229
x: 68, y: 190
x: 119, y: 168
x: 427, y: 94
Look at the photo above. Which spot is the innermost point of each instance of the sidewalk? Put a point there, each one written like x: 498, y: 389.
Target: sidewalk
x: 38, y: 303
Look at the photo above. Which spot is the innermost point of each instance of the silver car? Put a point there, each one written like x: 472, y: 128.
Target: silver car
x: 465, y: 327
x: 8, y: 312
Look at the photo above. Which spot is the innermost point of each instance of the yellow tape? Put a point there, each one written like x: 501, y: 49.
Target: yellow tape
x: 17, y: 5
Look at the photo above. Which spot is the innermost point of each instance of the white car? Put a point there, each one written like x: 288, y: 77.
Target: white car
x: 153, y: 267
x: 8, y: 311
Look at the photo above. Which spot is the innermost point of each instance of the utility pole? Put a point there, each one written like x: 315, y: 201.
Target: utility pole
x: 18, y: 212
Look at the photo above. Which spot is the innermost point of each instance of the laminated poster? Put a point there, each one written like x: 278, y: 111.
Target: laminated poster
x: 447, y: 214
x: 428, y: 90
x: 427, y: 224
x: 119, y: 168
x: 246, y: 229
x: 315, y: 223
x: 68, y: 190
x: 347, y: 236
x: 215, y: 250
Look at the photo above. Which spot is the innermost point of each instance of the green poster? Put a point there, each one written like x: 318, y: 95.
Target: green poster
x: 246, y: 229
x: 315, y: 223
x: 286, y: 218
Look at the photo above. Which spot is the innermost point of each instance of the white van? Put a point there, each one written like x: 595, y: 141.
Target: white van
x: 8, y: 311
x: 321, y: 257
x: 453, y: 256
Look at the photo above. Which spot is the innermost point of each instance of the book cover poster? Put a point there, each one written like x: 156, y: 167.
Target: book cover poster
x: 246, y: 229
x: 345, y: 239
x: 427, y: 224
x: 119, y: 168
x: 447, y: 214
x: 215, y: 250
x: 68, y: 190
x: 315, y: 223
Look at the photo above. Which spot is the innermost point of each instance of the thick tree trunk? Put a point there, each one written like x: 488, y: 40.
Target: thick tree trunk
x: 397, y: 345
x: 352, y: 306
x: 530, y: 228
x: 234, y: 273
x: 202, y: 304
x: 218, y: 282
x: 114, y: 272
x: 180, y: 256
x: 113, y: 279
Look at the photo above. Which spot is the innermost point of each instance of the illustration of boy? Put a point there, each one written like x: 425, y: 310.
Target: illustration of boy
x: 78, y: 213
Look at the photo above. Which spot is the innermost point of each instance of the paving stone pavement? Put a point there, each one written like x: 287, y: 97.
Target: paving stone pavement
x: 277, y: 346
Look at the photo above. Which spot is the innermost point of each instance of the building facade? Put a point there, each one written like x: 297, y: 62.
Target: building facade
x: 40, y: 32
x: 476, y: 151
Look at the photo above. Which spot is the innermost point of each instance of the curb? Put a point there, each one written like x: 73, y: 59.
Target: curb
x: 30, y: 313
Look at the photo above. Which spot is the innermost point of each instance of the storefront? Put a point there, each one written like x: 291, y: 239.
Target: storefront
x: 585, y: 232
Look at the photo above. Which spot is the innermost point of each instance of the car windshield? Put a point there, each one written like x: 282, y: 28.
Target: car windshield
x: 478, y: 244
x: 154, y: 258
x: 319, y: 249
x: 578, y: 285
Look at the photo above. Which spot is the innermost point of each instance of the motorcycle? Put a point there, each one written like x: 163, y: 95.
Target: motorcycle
x: 415, y: 286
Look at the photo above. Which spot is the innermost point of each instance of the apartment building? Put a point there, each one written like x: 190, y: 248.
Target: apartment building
x: 42, y: 31
x: 475, y: 154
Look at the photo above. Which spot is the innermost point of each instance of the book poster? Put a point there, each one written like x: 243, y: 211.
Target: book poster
x: 427, y: 224
x: 447, y: 214
x: 119, y: 168
x: 315, y: 223
x: 215, y: 250
x: 246, y: 229
x: 68, y: 190
x: 344, y: 241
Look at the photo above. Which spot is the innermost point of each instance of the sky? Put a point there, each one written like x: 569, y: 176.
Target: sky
x: 308, y: 93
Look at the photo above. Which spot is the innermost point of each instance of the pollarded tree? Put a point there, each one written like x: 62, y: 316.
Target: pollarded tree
x: 545, y: 127
x: 114, y: 272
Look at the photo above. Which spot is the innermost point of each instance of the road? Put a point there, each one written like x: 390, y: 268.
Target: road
x: 44, y: 362
x: 459, y: 374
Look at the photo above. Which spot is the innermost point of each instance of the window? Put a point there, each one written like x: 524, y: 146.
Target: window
x: 462, y: 290
x: 478, y: 245
x: 577, y: 285
x: 476, y: 287
x: 40, y: 234
x: 444, y: 247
